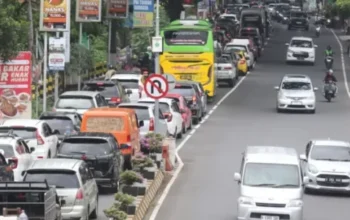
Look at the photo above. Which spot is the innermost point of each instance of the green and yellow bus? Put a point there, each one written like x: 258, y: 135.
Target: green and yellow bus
x: 188, y: 53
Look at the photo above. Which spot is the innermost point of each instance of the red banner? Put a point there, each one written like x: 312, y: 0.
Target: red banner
x: 15, y: 87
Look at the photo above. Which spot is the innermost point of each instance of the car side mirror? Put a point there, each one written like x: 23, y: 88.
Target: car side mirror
x: 98, y: 174
x: 315, y: 88
x: 303, y: 157
x: 306, y: 180
x: 237, y: 177
x: 55, y: 132
x: 32, y: 149
x: 124, y: 146
x: 141, y: 124
x: 287, y: 44
x: 128, y: 92
x: 276, y: 87
x: 62, y: 202
x: 23, y: 173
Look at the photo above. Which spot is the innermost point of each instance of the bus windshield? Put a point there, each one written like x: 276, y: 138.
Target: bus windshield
x: 185, y: 37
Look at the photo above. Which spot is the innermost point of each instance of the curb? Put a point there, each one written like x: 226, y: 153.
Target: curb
x: 143, y: 202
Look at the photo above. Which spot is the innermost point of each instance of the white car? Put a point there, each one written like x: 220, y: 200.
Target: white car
x: 229, y: 16
x: 327, y: 165
x: 130, y: 82
x: 171, y: 112
x: 242, y: 45
x: 226, y: 71
x: 36, y: 133
x: 301, y: 49
x: 17, y: 153
x: 79, y: 101
x: 296, y: 93
x: 145, y: 112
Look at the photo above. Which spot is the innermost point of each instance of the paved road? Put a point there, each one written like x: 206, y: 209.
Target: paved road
x: 205, y: 189
x: 106, y: 200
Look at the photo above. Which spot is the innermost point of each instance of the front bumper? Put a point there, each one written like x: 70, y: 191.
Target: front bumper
x: 291, y: 58
x: 247, y: 212
x: 300, y: 105
x: 320, y: 183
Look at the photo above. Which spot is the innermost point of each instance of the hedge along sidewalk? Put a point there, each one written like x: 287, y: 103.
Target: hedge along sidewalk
x: 143, y: 202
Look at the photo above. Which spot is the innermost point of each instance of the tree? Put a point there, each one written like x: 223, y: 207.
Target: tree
x: 173, y: 8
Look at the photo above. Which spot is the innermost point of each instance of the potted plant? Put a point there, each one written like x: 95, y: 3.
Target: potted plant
x: 126, y: 202
x: 132, y: 183
x: 115, y: 213
x: 153, y: 143
x: 145, y: 166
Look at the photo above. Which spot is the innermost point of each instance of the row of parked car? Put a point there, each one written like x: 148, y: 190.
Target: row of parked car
x: 89, y: 137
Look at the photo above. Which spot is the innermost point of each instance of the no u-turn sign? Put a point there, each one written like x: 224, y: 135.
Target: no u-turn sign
x: 156, y: 86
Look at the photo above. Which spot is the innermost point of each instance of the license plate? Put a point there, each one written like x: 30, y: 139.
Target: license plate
x: 267, y: 217
x: 333, y: 180
x: 296, y: 103
x: 186, y: 77
x: 300, y: 58
x: 220, y: 76
x: 330, y: 92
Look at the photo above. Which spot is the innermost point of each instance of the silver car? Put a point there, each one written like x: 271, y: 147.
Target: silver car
x: 74, y: 183
x: 327, y: 165
x: 146, y: 112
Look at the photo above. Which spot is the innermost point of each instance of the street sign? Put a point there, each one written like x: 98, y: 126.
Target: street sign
x: 156, y: 86
x: 171, y: 81
x: 157, y: 44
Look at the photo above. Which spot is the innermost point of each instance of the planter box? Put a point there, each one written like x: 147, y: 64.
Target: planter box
x: 149, y: 173
x: 141, y: 188
x: 136, y: 189
x: 130, y: 209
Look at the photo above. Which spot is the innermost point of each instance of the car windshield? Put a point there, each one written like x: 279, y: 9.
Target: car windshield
x: 63, y: 125
x: 296, y: 86
x: 265, y: 174
x: 7, y: 150
x: 75, y: 102
x: 141, y: 112
x: 301, y: 43
x: 184, y: 91
x: 129, y: 83
x: 60, y: 179
x: 88, y: 146
x: 23, y: 132
x: 106, y: 90
x: 164, y: 107
x: 332, y: 153
x: 236, y: 48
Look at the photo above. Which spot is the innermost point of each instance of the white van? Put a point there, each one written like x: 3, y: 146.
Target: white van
x: 243, y: 45
x: 271, y: 184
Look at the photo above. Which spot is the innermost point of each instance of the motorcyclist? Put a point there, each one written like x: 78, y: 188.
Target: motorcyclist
x: 111, y: 71
x: 329, y: 51
x: 147, y: 59
x: 331, y: 78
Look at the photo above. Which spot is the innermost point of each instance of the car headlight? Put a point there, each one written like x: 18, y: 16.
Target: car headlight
x: 245, y: 201
x: 295, y: 203
x: 312, y: 169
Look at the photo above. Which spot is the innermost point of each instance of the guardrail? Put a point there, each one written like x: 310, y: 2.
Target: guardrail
x: 97, y: 71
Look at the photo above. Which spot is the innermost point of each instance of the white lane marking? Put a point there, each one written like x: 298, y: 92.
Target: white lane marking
x: 181, y: 145
x: 342, y: 62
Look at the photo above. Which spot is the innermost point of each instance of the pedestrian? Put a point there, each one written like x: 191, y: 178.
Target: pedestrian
x: 111, y: 71
x: 147, y: 59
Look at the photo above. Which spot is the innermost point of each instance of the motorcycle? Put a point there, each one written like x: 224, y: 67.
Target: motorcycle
x: 329, y: 62
x: 318, y: 31
x: 329, y: 90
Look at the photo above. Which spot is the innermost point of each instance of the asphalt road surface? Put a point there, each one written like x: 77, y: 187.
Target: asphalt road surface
x: 205, y: 189
x: 106, y: 200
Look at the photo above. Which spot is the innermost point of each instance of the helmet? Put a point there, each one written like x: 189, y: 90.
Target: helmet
x: 330, y: 71
x: 329, y: 47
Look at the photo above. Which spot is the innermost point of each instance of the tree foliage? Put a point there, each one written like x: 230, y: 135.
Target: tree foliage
x: 173, y: 8
x: 81, y: 59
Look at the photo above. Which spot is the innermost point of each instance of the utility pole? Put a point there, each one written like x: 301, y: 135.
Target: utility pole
x: 56, y: 75
x: 157, y: 70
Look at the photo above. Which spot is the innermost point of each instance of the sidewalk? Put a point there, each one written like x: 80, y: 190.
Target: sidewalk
x: 340, y: 32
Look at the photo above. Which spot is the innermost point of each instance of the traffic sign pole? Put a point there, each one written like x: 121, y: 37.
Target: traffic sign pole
x: 157, y: 68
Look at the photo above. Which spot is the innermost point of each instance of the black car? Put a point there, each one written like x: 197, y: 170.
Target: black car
x: 65, y: 122
x: 253, y: 33
x: 113, y: 92
x: 298, y: 19
x: 100, y: 151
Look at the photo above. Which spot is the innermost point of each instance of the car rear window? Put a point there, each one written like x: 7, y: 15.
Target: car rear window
x: 247, y: 33
x: 184, y: 91
x: 129, y: 83
x: 88, y: 146
x: 235, y: 48
x: 141, y: 112
x: 23, y: 132
x: 222, y: 60
x: 75, y: 102
x: 107, y: 90
x: 186, y: 37
x: 104, y: 124
x: 7, y: 150
x: 164, y: 107
x: 63, y: 124
x: 58, y: 178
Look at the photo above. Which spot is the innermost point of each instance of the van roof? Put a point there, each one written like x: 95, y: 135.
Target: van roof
x: 271, y: 154
x: 239, y: 41
x: 55, y: 164
x: 107, y: 111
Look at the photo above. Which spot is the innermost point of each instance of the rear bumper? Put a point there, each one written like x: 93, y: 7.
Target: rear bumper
x: 76, y: 212
x: 104, y: 181
x: 196, y: 112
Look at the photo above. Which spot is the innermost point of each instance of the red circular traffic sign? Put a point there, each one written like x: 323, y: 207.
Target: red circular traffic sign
x: 156, y: 86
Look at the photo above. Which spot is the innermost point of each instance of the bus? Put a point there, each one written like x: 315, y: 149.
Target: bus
x: 188, y: 53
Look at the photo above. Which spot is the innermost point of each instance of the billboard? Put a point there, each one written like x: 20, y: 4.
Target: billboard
x: 16, y: 87
x: 143, y: 13
x: 88, y: 10
x: 117, y: 9
x: 54, y: 15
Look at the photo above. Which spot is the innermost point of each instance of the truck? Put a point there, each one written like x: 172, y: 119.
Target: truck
x: 37, y: 199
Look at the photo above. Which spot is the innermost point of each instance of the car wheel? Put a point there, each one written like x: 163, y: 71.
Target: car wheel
x: 95, y: 212
x: 190, y: 127
x: 49, y: 154
x: 179, y: 135
x: 183, y: 129
x: 231, y: 83
x: 195, y: 120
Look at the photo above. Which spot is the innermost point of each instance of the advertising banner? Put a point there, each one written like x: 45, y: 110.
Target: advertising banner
x: 88, y: 10
x: 143, y: 13
x: 54, y: 15
x: 16, y: 87
x: 57, y: 56
x: 117, y: 9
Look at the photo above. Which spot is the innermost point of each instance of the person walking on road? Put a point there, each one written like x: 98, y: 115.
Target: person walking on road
x: 111, y: 71
x: 147, y: 59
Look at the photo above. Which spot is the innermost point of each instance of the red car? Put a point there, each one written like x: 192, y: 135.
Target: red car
x: 184, y: 109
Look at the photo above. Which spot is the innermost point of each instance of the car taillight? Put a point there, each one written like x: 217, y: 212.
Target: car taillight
x: 39, y: 139
x: 242, y: 62
x: 228, y: 68
x: 13, y: 162
x: 128, y: 138
x: 151, y: 124
x: 40, y: 157
x: 115, y: 100
x: 83, y: 157
x: 80, y: 195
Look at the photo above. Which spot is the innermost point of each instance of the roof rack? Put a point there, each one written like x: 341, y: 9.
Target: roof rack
x: 8, y: 134
x: 24, y: 186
